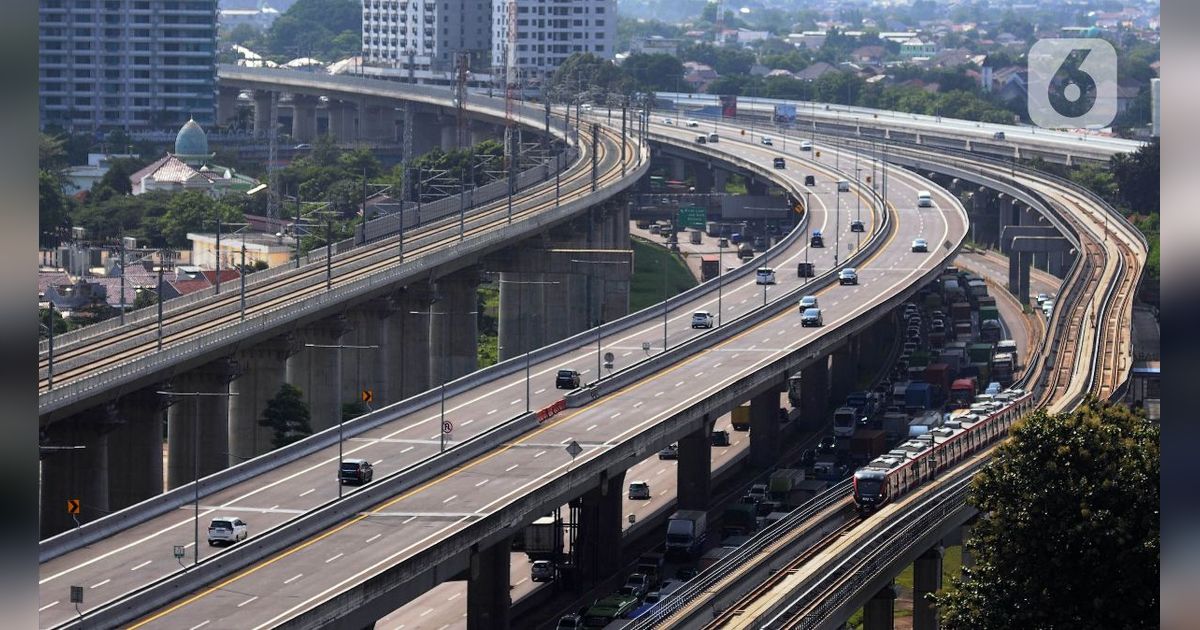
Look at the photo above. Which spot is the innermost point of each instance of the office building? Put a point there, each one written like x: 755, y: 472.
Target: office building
x: 138, y: 65
x: 417, y: 40
x: 549, y: 31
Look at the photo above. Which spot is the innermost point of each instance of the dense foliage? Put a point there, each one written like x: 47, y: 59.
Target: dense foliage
x: 287, y: 416
x: 1069, y: 532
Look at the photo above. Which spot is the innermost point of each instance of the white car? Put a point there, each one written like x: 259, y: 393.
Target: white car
x: 702, y: 319
x: 639, y: 491
x: 806, y: 146
x: 848, y: 276
x: 768, y: 142
x: 668, y: 121
x: 764, y: 275
x: 920, y: 245
x: 227, y: 530
x: 807, y: 302
x: 693, y: 123
x: 541, y: 571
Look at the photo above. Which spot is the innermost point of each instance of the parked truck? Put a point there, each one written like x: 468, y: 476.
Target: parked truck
x: 938, y: 375
x: 741, y: 418
x: 895, y: 424
x: 980, y: 352
x: 651, y: 565
x: 1003, y: 366
x: 686, y: 533
x: 782, y: 482
x: 868, y: 444
x: 917, y: 397
x: 713, y: 555
x: 793, y: 390
x: 962, y: 392
x: 544, y: 538
x: 739, y: 519
x: 960, y: 312
x: 710, y: 267
x: 694, y: 236
x: 712, y: 228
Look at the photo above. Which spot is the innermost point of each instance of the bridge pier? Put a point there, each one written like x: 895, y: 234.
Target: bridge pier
x: 408, y: 358
x: 76, y: 473
x: 599, y: 538
x: 342, y: 121
x: 317, y: 371
x: 879, y: 613
x: 426, y: 132
x: 135, y: 449
x: 764, y: 428
x: 488, y: 599
x: 927, y: 578
x: 449, y: 135
x: 364, y: 369
x: 304, y: 117
x: 843, y: 362
x: 694, y: 469
x: 522, y: 324
x: 678, y: 170
x: 262, y: 370
x: 453, y: 327
x: 198, y: 426
x: 814, y: 384
x: 262, y: 112
x: 227, y: 105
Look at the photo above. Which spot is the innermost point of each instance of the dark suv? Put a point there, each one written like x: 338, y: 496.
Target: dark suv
x: 567, y: 379
x: 356, y: 471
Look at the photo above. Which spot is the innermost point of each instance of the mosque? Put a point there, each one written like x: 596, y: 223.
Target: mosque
x: 190, y: 168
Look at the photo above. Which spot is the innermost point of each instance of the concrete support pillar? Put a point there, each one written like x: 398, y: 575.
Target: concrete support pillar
x: 261, y: 371
x: 198, y: 426
x: 968, y: 558
x: 522, y: 313
x: 1026, y: 260
x: 814, y: 384
x: 704, y: 180
x: 449, y: 135
x: 599, y: 538
x: 477, y: 133
x: 304, y: 117
x: 878, y: 614
x: 694, y: 470
x: 341, y: 120
x: 135, y: 449
x: 227, y: 105
x: 720, y: 179
x: 488, y: 599
x: 408, y: 358
x: 927, y: 578
x: 426, y: 133
x: 764, y: 429
x: 367, y: 369
x: 677, y: 168
x: 454, y: 329
x: 262, y: 112
x: 842, y: 364
x: 316, y: 371
x: 77, y: 471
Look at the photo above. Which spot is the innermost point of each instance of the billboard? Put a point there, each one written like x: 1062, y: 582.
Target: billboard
x: 785, y: 114
x: 729, y: 106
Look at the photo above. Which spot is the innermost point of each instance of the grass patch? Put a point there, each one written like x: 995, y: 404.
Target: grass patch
x: 646, y: 286
x: 488, y: 346
x: 951, y: 568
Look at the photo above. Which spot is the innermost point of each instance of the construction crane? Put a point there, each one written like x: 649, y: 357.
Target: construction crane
x: 463, y: 61
x: 720, y: 22
x: 510, y: 93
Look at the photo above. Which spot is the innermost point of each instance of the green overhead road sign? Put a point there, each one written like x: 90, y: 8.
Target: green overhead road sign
x: 693, y: 216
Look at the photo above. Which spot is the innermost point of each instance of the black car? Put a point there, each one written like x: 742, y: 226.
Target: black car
x: 828, y: 443
x: 670, y: 452
x: 808, y: 458
x: 356, y: 471
x: 567, y: 379
x: 720, y: 438
x: 857, y: 226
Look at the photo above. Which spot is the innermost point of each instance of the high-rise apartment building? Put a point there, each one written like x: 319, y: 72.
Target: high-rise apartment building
x: 549, y: 31
x: 419, y: 39
x: 131, y: 64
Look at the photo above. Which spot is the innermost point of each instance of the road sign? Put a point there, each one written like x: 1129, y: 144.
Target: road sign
x: 72, y: 506
x: 76, y: 594
x: 178, y: 550
x: 447, y: 426
x: 574, y: 449
x: 693, y: 216
x: 368, y: 396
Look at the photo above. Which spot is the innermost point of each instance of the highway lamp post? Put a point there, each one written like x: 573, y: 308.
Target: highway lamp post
x: 442, y: 393
x: 837, y: 233
x: 50, y: 336
x: 521, y: 332
x: 195, y: 396
x: 807, y: 196
x: 341, y: 418
x: 600, y: 317
x: 720, y: 278
x: 858, y: 196
x: 241, y: 270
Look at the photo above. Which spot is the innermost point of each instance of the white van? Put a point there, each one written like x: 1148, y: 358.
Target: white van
x: 843, y: 185
x: 924, y: 199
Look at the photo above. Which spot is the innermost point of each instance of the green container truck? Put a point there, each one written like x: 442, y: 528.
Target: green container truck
x: 988, y: 312
x: 980, y: 353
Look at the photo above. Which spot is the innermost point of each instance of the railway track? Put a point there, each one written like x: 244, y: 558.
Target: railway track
x: 91, y: 356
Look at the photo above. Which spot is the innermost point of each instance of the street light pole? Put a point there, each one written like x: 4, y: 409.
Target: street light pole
x: 160, y: 303
x: 242, y: 275
x: 720, y: 278
x: 807, y: 211
x: 341, y: 418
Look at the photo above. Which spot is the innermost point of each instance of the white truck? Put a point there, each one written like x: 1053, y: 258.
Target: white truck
x: 686, y: 532
x: 544, y: 538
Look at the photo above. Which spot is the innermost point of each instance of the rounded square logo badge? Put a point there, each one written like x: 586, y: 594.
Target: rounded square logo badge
x: 1072, y: 83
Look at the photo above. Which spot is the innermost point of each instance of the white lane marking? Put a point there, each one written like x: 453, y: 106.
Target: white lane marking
x: 780, y: 332
x: 735, y: 355
x: 407, y: 450
x: 339, y: 555
x: 699, y: 374
x: 449, y: 498
x: 796, y: 324
x: 99, y: 584
x: 716, y: 365
x: 482, y: 483
x: 309, y: 491
x: 201, y: 624
x: 659, y: 394
x: 136, y: 567
x: 189, y: 544
x: 408, y: 520
x: 679, y: 384
x: 293, y: 578
x: 491, y: 412
x: 540, y: 390
x: 373, y: 538
x: 467, y: 422
x: 427, y: 611
x: 627, y: 353
x: 614, y: 415
x: 53, y: 603
x: 660, y: 471
x: 454, y: 597
x: 515, y: 402
x: 376, y: 462
x: 538, y: 454
x: 591, y: 427
x: 247, y: 601
x: 638, y: 404
x: 511, y: 468
x: 523, y: 580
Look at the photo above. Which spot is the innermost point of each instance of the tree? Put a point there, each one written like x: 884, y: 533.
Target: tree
x: 1137, y: 176
x: 1069, y: 533
x: 53, y: 215
x: 193, y: 211
x: 60, y: 325
x: 584, y: 74
x: 287, y: 415
x: 116, y: 180
x: 316, y: 28
x: 650, y: 73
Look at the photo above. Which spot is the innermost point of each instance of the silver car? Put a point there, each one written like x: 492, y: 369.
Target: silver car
x: 848, y: 276
x: 807, y: 302
x: 812, y: 317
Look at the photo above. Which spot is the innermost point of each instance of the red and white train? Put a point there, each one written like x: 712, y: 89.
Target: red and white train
x: 922, y: 458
